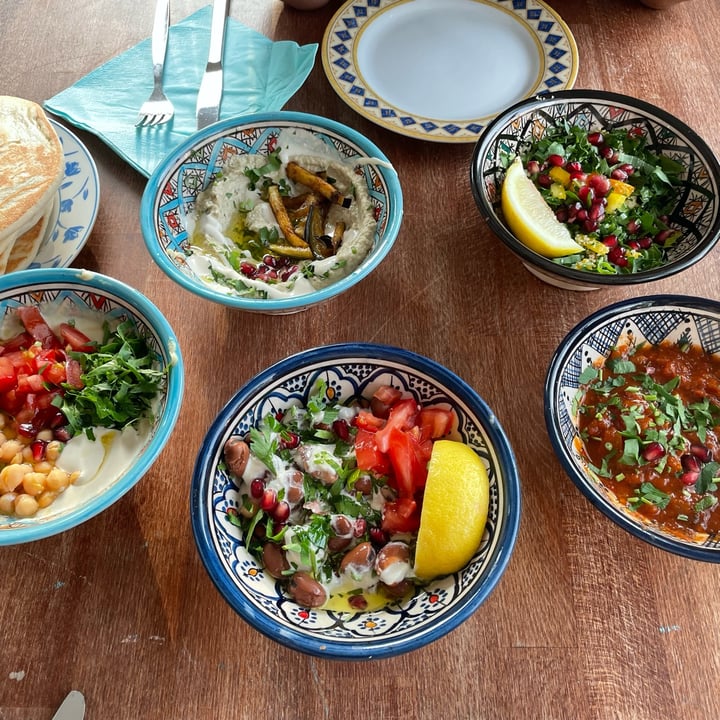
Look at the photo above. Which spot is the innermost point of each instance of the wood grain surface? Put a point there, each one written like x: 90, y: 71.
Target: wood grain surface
x: 587, y: 622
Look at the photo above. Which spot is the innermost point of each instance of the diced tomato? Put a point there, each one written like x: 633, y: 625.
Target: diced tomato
x: 400, y: 516
x: 383, y: 399
x: 365, y: 420
x: 408, y: 459
x: 402, y: 417
x: 30, y: 384
x: 10, y: 401
x: 436, y: 421
x: 35, y: 324
x: 7, y: 374
x: 75, y: 338
x: 367, y: 453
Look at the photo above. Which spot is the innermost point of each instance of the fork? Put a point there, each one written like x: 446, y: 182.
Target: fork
x: 157, y: 109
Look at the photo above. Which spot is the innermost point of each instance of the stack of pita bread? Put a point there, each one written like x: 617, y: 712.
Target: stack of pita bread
x: 31, y: 170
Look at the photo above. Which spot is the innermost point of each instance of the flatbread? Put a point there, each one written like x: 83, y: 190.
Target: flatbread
x: 31, y: 166
x: 23, y: 251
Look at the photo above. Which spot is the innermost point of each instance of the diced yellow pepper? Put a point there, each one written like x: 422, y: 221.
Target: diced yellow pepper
x: 560, y: 175
x: 558, y: 191
x: 621, y: 187
x: 615, y: 200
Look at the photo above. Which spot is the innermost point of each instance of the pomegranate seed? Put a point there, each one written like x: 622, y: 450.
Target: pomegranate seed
x: 662, y: 236
x: 268, y: 502
x: 653, y: 451
x: 617, y: 256
x: 645, y: 242
x: 290, y: 441
x: 596, y: 138
x: 627, y: 168
x: 248, y: 269
x: 599, y: 183
x: 619, y: 174
x: 544, y: 180
x: 533, y: 167
x: 611, y: 241
x: 38, y: 450
x: 378, y: 536
x: 609, y: 154
x: 257, y: 488
x: 580, y: 178
x: 690, y: 463
x: 702, y: 453
x: 561, y: 214
x: 690, y: 477
x: 634, y: 244
x: 633, y: 226
x: 341, y: 429
x: 586, y: 195
x: 574, y: 167
x: 62, y: 434
x: 582, y: 215
x: 596, y: 212
x: 281, y: 512
x: 590, y: 225
x: 270, y: 260
x: 556, y: 160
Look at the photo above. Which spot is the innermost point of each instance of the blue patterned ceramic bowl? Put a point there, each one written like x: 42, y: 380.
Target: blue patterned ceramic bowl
x: 654, y: 319
x: 696, y: 215
x: 79, y: 291
x: 167, y: 208
x: 349, y: 371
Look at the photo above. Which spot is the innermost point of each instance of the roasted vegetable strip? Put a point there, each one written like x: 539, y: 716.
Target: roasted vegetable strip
x: 282, y: 217
x: 303, y: 253
x: 299, y: 174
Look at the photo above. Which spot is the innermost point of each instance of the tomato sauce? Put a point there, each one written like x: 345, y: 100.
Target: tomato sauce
x: 649, y: 420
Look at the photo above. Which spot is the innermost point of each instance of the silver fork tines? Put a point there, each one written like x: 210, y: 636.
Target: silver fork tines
x: 157, y: 109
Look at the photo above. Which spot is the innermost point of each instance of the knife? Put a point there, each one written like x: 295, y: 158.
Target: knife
x: 211, y: 87
x: 72, y: 707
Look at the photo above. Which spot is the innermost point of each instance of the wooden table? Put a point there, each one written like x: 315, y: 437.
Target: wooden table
x: 587, y: 622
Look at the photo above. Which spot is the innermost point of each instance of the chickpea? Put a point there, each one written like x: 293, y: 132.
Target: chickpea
x: 7, y: 503
x: 57, y: 480
x: 26, y: 505
x: 52, y: 451
x: 47, y: 498
x: 9, y: 449
x: 34, y: 483
x: 12, y: 475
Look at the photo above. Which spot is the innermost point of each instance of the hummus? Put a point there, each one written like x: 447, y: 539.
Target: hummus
x: 235, y: 225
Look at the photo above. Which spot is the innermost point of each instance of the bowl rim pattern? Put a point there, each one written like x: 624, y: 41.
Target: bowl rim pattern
x: 161, y: 192
x: 504, y: 130
x: 352, y: 640
x: 97, y: 287
x: 591, y: 339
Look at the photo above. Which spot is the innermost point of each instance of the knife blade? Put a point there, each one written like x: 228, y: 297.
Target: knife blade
x: 72, y: 707
x: 210, y: 94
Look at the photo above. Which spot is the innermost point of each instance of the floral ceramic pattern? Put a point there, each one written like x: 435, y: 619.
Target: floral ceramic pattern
x: 76, y: 206
x: 557, y: 64
x: 433, y: 610
x: 653, y: 319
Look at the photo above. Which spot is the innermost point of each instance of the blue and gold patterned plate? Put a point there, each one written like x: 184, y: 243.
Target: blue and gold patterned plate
x: 440, y: 70
x: 76, y: 207
x: 351, y: 371
x: 653, y: 319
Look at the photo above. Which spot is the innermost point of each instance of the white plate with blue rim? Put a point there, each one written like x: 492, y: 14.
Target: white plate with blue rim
x: 75, y: 207
x: 440, y: 70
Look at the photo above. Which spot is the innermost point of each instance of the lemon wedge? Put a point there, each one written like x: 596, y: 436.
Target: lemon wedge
x: 454, y: 510
x: 531, y: 218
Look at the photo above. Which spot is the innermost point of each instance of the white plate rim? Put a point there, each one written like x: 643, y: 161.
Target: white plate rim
x: 77, y: 202
x: 339, y: 59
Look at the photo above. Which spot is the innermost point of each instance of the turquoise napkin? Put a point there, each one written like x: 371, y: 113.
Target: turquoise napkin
x: 259, y: 75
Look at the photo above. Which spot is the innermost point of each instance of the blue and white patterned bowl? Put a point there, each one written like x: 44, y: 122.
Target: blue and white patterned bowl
x: 83, y: 290
x: 696, y: 215
x: 654, y: 319
x: 349, y: 371
x: 169, y: 199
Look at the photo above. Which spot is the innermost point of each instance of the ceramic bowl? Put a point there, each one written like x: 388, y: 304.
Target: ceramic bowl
x: 696, y: 214
x: 653, y: 319
x: 350, y: 371
x: 79, y: 292
x: 168, y: 203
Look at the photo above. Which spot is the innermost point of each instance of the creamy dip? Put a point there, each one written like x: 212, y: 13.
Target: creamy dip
x: 231, y: 207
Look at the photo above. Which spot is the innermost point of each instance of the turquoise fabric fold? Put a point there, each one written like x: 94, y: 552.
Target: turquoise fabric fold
x: 259, y: 75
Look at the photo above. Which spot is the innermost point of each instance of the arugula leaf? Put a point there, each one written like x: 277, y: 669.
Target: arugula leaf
x: 121, y: 381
